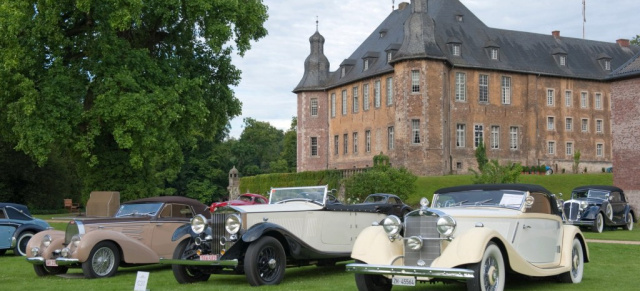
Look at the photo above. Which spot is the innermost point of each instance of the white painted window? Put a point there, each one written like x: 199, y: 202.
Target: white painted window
x: 415, y: 81
x: 513, y: 137
x: 367, y: 137
x: 551, y: 97
x: 569, y: 148
x: 568, y: 124
x: 390, y: 137
x: 551, y: 123
x: 585, y: 125
x: 483, y: 88
x: 390, y: 91
x: 365, y: 97
x: 478, y: 135
x: 461, y: 135
x: 584, y: 102
x: 355, y: 142
x: 314, y: 146
x: 333, y: 104
x: 495, y: 137
x: 344, y: 102
x: 599, y: 125
x: 415, y: 131
x: 568, y: 98
x: 461, y: 85
x: 506, y: 90
x: 356, y: 102
x: 314, y: 106
x: 598, y: 101
x: 599, y: 149
x: 376, y: 94
x: 551, y: 147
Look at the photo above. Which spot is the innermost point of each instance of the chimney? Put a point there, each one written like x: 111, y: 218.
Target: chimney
x: 556, y: 33
x: 403, y: 5
x: 623, y: 42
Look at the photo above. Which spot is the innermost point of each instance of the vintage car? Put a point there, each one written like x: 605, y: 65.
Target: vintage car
x: 300, y: 226
x: 474, y: 234
x: 383, y: 200
x: 17, y: 226
x: 598, y: 206
x: 139, y: 233
x: 244, y: 199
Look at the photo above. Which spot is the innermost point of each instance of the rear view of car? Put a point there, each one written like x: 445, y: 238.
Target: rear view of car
x: 17, y: 227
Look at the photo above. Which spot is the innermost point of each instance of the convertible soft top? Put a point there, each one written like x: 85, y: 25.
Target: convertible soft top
x: 20, y: 207
x: 489, y: 187
x: 598, y: 187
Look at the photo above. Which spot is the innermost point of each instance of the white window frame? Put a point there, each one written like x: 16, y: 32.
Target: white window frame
x: 495, y: 137
x: 607, y: 65
x: 568, y: 98
x: 455, y: 49
x: 494, y: 53
x: 563, y: 60
x: 333, y: 104
x: 568, y: 124
x: 345, y: 106
x: 314, y: 146
x: 551, y: 123
x: 598, y: 101
x: 551, y: 97
x: 506, y: 90
x: 376, y: 94
x: 415, y: 131
x: 599, y: 150
x: 483, y: 88
x: 314, y: 107
x: 461, y: 86
x: 584, y: 124
x: 584, y: 100
x: 367, y: 137
x: 336, y: 144
x: 389, y: 56
x: 551, y: 147
x: 355, y: 142
x: 390, y: 138
x: 461, y: 135
x: 569, y: 149
x: 513, y: 138
x: 415, y: 81
x: 366, y: 64
x: 599, y: 125
x: 365, y: 97
x: 345, y: 141
x: 356, y: 103
x: 390, y: 91
x: 478, y: 134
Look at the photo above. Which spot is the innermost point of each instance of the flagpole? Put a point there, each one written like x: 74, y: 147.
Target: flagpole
x: 584, y: 16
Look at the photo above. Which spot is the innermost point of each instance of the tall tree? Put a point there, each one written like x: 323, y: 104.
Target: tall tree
x: 260, y: 144
x: 290, y: 146
x: 123, y: 86
x: 636, y: 40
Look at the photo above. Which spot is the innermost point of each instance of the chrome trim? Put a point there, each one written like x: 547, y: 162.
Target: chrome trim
x: 13, y: 242
x: 225, y: 263
x: 66, y: 261
x: 36, y: 260
x: 444, y: 273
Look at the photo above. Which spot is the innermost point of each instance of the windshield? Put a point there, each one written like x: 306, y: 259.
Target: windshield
x: 600, y: 194
x: 317, y: 194
x: 149, y: 209
x: 493, y: 198
x: 375, y: 199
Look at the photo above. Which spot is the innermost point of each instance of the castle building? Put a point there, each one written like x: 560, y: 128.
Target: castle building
x: 433, y: 81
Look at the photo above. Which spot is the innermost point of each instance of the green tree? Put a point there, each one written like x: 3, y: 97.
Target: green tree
x: 290, y: 146
x: 121, y: 87
x: 260, y: 144
x: 636, y: 40
x: 382, y: 178
x: 493, y: 173
x: 576, y: 162
x: 481, y: 155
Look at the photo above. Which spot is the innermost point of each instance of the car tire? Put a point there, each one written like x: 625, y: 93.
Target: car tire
x: 598, y: 223
x: 103, y: 261
x: 264, y: 262
x: 629, y: 224
x: 21, y: 244
x: 490, y: 272
x: 2, y: 252
x: 186, y: 274
x: 609, y: 211
x: 577, y: 264
x: 43, y: 271
x: 366, y: 282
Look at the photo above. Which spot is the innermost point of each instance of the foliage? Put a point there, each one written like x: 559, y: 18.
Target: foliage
x: 481, y: 155
x: 636, y: 40
x: 494, y: 173
x: 259, y: 145
x: 382, y: 178
x: 261, y: 184
x: 121, y: 88
x: 290, y: 146
x: 576, y: 162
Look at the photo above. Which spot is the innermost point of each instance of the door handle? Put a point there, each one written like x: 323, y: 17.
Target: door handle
x: 524, y: 226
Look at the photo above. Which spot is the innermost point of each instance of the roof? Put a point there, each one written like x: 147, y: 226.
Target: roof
x: 493, y: 187
x: 436, y: 29
x: 598, y: 187
x: 198, y: 206
x: 20, y: 207
x: 629, y: 69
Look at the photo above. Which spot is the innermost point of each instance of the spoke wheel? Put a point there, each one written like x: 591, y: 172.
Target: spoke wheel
x: 42, y: 270
x: 577, y: 264
x: 21, y: 245
x: 488, y: 274
x: 103, y: 261
x: 187, y: 274
x: 629, y: 225
x: 264, y: 262
x: 598, y: 223
x: 366, y: 282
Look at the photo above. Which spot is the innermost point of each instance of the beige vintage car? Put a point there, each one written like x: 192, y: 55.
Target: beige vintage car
x: 139, y: 233
x: 475, y: 234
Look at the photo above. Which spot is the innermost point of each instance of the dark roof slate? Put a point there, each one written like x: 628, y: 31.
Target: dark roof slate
x: 630, y: 69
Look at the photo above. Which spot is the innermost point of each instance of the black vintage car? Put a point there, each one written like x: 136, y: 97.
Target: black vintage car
x: 598, y: 206
x: 388, y: 203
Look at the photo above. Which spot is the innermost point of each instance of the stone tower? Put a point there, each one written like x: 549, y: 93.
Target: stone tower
x: 234, y: 184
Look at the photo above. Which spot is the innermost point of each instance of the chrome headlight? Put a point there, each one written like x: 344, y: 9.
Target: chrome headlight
x: 392, y: 226
x: 46, y: 240
x: 446, y: 225
x: 75, y: 240
x: 198, y: 224
x: 414, y: 243
x: 583, y: 205
x: 35, y: 251
x: 233, y: 224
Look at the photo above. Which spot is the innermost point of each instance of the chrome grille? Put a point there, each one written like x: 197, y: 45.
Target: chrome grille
x: 217, y: 231
x: 571, y: 210
x: 424, y: 226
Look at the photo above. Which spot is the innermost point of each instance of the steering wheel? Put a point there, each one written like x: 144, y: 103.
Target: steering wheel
x: 331, y: 198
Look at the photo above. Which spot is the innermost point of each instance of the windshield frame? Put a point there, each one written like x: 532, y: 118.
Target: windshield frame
x: 139, y: 209
x: 316, y: 194
x: 474, y: 198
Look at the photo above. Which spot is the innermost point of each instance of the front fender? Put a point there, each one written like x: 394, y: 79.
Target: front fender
x: 182, y: 231
x: 590, y: 212
x: 373, y: 246
x: 133, y: 251
x: 467, y: 248
x: 57, y: 241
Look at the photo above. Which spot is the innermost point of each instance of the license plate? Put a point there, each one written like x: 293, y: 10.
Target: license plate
x: 403, y: 281
x: 51, y: 263
x: 208, y: 257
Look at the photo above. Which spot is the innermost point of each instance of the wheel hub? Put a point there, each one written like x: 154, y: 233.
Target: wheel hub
x: 493, y: 275
x: 576, y: 261
x: 272, y: 263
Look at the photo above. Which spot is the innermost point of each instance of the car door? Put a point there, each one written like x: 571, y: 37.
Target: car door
x: 618, y: 205
x: 538, y: 233
x: 7, y: 228
x: 171, y: 217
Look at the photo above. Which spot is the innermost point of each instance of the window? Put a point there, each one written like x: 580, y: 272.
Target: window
x: 599, y: 150
x: 415, y: 131
x: 598, y: 101
x: 563, y: 60
x: 461, y: 80
x: 513, y: 138
x: 355, y: 142
x: 343, y: 72
x: 478, y: 135
x: 494, y: 53
x: 314, y: 106
x: 460, y: 135
x: 495, y: 137
x: 333, y: 104
x: 389, y: 55
x: 356, y: 104
x: 415, y: 81
x: 551, y: 123
x: 585, y: 125
x: 365, y: 97
x: 569, y: 148
x: 583, y: 100
x: 336, y: 143
x: 344, y: 102
x: 599, y: 125
x: 506, y: 90
x: 367, y: 137
x: 345, y: 141
x: 376, y: 94
x: 607, y: 65
x: 455, y: 49
x: 389, y: 91
x: 568, y: 124
x: 568, y: 98
x: 366, y: 64
x: 483, y: 85
x: 314, y: 146
x: 551, y: 147
x: 390, y: 137
x: 550, y: 97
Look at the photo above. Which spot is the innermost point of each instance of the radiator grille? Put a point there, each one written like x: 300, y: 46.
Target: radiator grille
x: 571, y: 210
x: 217, y: 231
x: 424, y: 226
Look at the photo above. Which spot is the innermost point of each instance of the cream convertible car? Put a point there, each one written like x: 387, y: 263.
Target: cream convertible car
x: 475, y: 234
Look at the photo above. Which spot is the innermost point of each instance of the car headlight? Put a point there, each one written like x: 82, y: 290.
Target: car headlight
x: 583, y: 205
x: 233, y: 224
x: 46, y: 240
x: 446, y: 225
x: 198, y: 224
x: 414, y: 243
x: 392, y: 226
x: 75, y: 240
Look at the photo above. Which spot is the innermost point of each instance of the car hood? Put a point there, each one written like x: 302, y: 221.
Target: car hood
x: 596, y: 201
x: 475, y: 211
x: 292, y: 206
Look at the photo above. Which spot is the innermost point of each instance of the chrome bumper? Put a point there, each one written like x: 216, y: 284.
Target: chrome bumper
x: 59, y: 261
x: 444, y: 273
x: 222, y: 263
x: 579, y: 222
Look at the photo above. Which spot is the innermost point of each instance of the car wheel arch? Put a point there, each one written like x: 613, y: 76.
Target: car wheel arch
x: 267, y: 229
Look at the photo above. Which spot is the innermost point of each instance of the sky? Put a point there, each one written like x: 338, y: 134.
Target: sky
x: 274, y: 65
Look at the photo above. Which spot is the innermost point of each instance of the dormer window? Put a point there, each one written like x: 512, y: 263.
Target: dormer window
x: 389, y: 55
x: 343, y: 71
x: 383, y: 33
x: 455, y: 49
x: 391, y: 50
x: 560, y: 56
x: 346, y: 66
x: 607, y: 65
x: 366, y: 64
x: 492, y: 49
x: 455, y: 46
x: 459, y: 18
x: 563, y: 60
x: 494, y: 53
x: 369, y: 59
x: 605, y: 61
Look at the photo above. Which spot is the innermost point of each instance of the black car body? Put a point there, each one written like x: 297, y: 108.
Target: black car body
x: 388, y: 203
x: 598, y: 206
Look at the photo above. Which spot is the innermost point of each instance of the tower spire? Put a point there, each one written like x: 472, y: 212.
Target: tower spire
x: 316, y: 23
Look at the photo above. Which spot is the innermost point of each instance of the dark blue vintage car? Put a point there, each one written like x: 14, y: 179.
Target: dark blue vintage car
x: 598, y: 206
x: 17, y: 226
